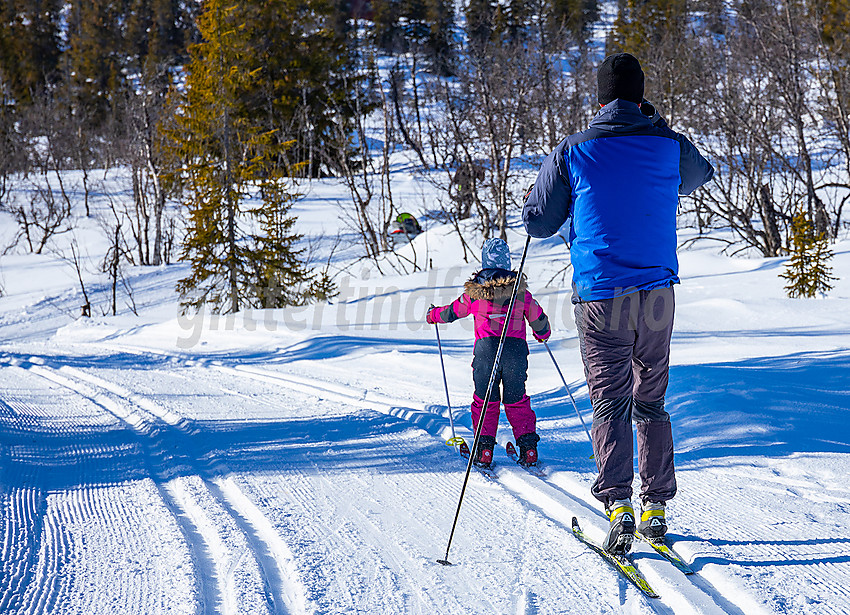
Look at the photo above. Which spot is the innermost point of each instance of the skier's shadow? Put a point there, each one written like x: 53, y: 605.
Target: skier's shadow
x: 813, y: 542
x: 702, y: 560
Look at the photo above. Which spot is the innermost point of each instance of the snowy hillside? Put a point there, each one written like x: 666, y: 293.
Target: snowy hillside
x: 292, y: 461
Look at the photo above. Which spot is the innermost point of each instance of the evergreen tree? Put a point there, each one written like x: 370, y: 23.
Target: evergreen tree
x: 440, y: 16
x: 657, y: 33
x: 305, y: 87
x: 240, y: 242
x: 29, y: 46
x: 94, y: 60
x: 427, y: 29
x: 387, y: 33
x: 156, y: 33
x: 572, y: 16
x: 481, y: 17
x: 807, y: 270
x: 834, y: 19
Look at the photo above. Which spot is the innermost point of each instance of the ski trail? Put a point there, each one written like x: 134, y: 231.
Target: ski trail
x: 76, y: 517
x: 474, y: 508
x: 679, y: 592
x: 269, y: 551
x: 332, y: 514
x: 22, y: 510
x: 707, y: 593
x: 209, y: 595
x: 714, y: 589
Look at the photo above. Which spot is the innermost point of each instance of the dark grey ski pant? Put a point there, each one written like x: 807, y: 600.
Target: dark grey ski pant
x: 625, y: 346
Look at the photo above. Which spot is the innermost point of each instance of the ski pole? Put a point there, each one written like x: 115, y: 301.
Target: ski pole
x: 446, y: 384
x: 445, y: 561
x: 570, y: 393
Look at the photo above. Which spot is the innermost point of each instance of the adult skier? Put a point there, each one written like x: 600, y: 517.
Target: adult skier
x: 486, y: 297
x: 618, y: 183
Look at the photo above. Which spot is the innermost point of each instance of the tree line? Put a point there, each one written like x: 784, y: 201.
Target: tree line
x: 227, y: 107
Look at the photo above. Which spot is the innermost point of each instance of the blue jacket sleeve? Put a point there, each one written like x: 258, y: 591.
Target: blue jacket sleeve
x: 694, y: 169
x: 548, y: 204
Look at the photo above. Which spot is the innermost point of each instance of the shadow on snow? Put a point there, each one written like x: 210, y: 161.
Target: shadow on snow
x: 758, y: 407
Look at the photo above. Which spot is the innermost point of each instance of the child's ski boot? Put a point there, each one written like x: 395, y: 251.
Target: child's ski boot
x: 527, y: 449
x: 484, y: 453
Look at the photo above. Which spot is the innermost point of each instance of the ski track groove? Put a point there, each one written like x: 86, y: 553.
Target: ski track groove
x: 271, y: 554
x: 301, y: 492
x: 729, y: 549
x: 519, y: 483
x: 708, y: 584
x: 56, y: 570
x: 35, y: 586
x: 20, y: 510
x: 385, y: 574
x: 360, y: 538
x: 96, y: 511
x: 399, y: 558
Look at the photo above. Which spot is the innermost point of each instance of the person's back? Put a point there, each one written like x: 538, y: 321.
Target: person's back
x: 625, y: 200
x: 618, y: 183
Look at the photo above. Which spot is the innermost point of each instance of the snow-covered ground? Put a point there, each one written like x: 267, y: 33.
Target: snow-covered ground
x: 292, y: 461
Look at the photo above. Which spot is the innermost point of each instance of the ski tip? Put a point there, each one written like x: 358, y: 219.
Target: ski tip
x: 575, y: 523
x: 509, y: 449
x: 444, y: 562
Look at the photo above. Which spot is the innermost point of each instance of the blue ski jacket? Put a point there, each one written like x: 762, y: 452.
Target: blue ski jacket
x: 618, y: 182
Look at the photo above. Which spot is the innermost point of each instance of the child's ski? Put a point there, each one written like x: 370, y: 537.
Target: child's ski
x: 485, y: 471
x: 532, y: 469
x: 665, y: 551
x: 622, y: 563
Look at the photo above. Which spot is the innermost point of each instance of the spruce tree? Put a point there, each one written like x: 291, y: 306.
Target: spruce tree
x: 572, y: 17
x: 29, y: 46
x: 439, y: 14
x: 93, y: 61
x: 481, y: 17
x: 807, y: 270
x: 240, y: 242
x: 306, y: 86
x: 657, y: 32
x: 387, y: 34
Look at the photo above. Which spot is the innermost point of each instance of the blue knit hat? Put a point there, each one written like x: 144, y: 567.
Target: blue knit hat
x: 495, y: 254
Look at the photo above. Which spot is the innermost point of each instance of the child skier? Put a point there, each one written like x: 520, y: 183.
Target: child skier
x: 487, y: 296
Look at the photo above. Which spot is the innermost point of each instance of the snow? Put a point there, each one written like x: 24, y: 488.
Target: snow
x: 292, y: 461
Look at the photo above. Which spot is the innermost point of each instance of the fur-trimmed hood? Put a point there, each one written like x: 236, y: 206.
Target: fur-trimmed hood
x: 494, y: 285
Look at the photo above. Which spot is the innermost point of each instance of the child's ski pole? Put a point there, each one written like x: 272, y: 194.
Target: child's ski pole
x: 570, y: 393
x: 445, y: 561
x: 454, y: 440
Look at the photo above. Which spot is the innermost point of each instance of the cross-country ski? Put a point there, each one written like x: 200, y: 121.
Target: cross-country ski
x: 619, y: 562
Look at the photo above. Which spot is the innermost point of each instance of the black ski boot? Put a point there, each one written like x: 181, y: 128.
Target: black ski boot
x: 484, y: 453
x: 528, y: 449
x: 622, y: 530
x: 653, y: 524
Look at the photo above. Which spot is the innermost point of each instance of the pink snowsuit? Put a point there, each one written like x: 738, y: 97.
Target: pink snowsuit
x: 486, y: 298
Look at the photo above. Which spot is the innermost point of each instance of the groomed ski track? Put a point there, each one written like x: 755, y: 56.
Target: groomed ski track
x: 276, y: 538
x: 241, y: 565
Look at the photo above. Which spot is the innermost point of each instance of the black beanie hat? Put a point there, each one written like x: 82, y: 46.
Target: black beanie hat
x: 619, y: 76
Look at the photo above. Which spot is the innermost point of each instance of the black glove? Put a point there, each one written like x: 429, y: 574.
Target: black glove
x: 649, y: 110
x: 527, y: 194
